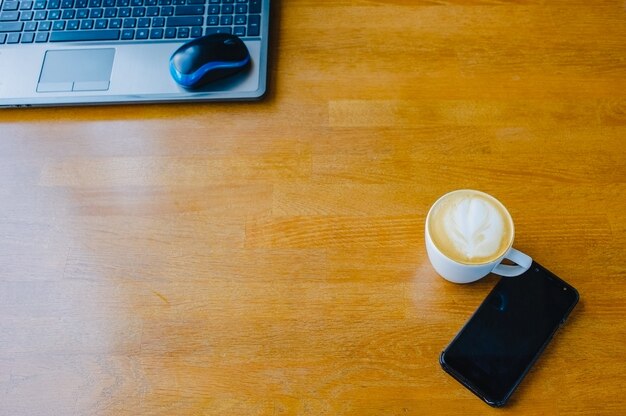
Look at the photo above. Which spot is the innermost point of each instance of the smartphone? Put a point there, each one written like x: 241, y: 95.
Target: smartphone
x: 497, y: 346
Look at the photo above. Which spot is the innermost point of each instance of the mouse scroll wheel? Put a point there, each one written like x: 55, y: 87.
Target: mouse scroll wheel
x: 229, y: 41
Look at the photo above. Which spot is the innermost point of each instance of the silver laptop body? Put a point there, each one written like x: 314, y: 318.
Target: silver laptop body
x: 51, y: 52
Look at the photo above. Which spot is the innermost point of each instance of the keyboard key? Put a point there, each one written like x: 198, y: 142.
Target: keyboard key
x: 27, y: 16
x: 167, y: 11
x: 82, y: 4
x: 30, y: 27
x: 82, y: 13
x: 41, y: 37
x: 95, y: 3
x: 130, y: 23
x: 239, y: 31
x: 58, y: 25
x: 54, y: 14
x: 47, y: 25
x: 152, y: 11
x: 101, y: 23
x: 11, y: 5
x: 67, y: 4
x: 9, y: 16
x: 128, y: 34
x: 196, y: 32
x: 110, y: 12
x: 39, y: 5
x: 54, y: 4
x: 26, y: 5
x: 240, y: 19
x: 73, y: 24
x: 143, y: 22
x: 124, y: 12
x: 108, y: 3
x: 170, y: 33
x: 189, y: 11
x: 254, y: 25
x: 142, y: 34
x: 68, y: 14
x: 13, y: 38
x: 96, y: 13
x: 41, y: 15
x: 28, y: 37
x: 158, y: 22
x: 3, y: 38
x: 139, y: 11
x: 183, y: 33
x: 115, y: 23
x: 156, y: 34
x: 84, y: 35
x: 212, y: 30
x: 184, y: 21
x: 86, y: 24
x: 11, y: 26
x: 213, y: 9
x: 255, y: 6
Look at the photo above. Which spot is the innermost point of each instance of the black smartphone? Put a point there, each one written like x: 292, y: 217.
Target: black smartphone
x: 497, y: 346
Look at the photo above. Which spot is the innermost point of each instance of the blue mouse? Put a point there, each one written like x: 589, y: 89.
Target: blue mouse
x: 208, y: 58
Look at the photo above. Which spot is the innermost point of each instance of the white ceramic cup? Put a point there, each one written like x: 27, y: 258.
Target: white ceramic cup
x: 463, y: 272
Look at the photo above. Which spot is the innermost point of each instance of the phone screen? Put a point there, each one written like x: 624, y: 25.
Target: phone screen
x: 507, y: 333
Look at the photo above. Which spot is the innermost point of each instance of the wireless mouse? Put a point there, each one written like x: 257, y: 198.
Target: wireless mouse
x: 207, y: 59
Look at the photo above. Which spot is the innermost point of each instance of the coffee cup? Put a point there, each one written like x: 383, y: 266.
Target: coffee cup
x: 468, y: 235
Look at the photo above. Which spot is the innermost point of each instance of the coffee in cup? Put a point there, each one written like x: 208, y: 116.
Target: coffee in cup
x: 468, y: 234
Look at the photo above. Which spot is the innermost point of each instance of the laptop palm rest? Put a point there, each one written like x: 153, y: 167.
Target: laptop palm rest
x: 76, y: 70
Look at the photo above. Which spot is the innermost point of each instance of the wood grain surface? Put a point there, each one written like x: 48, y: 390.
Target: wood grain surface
x: 268, y: 258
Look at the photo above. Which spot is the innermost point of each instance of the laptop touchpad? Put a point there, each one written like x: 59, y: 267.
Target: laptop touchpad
x: 76, y: 70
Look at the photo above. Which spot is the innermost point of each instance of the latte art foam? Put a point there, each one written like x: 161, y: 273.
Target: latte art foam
x: 470, y: 227
x: 474, y: 227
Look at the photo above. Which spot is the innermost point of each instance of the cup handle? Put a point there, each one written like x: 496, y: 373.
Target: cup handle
x: 522, y: 261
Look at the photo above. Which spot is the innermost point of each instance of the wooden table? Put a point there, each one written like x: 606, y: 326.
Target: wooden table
x: 268, y: 258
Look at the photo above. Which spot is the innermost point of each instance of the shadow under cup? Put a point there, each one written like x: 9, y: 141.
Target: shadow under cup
x: 450, y: 265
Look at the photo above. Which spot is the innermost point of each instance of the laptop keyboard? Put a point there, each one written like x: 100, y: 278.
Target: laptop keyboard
x: 40, y: 21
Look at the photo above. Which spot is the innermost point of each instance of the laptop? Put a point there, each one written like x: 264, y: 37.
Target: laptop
x: 70, y: 52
